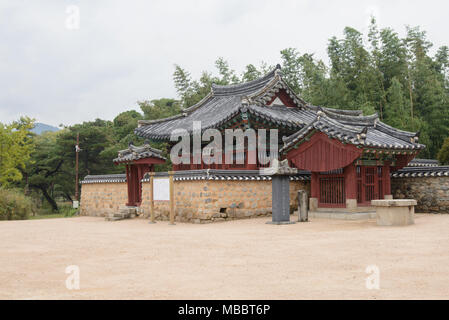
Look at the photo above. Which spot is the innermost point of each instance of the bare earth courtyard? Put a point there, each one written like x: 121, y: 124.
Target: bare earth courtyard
x: 246, y: 259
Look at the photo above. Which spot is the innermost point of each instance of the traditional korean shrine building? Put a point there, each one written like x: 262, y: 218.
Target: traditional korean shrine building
x: 350, y: 156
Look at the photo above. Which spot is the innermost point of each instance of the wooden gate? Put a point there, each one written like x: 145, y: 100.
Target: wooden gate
x: 369, y: 184
x: 332, y: 189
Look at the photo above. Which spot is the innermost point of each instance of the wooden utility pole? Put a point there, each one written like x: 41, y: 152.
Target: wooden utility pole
x: 77, y: 150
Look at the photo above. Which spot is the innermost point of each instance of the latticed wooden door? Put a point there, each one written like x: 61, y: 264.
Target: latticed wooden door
x: 332, y: 189
x: 369, y: 184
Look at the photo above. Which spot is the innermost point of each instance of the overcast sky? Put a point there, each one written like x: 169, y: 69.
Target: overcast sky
x: 59, y: 71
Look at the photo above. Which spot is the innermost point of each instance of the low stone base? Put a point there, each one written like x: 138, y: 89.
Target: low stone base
x: 395, y: 212
x: 228, y: 215
x: 124, y: 213
x: 313, y: 204
x: 351, y: 203
x: 281, y: 222
x: 342, y: 215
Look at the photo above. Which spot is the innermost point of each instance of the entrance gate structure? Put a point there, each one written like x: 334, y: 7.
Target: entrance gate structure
x: 138, y: 161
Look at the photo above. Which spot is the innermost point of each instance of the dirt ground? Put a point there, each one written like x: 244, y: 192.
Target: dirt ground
x: 246, y: 259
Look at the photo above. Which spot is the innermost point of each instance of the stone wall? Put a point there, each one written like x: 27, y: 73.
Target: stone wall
x: 99, y: 199
x: 197, y: 201
x: 431, y: 193
x: 203, y: 201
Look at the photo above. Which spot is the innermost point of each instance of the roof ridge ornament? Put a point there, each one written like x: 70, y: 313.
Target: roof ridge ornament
x: 246, y: 101
x: 278, y: 70
x: 364, y: 132
x: 415, y: 139
x: 320, y: 113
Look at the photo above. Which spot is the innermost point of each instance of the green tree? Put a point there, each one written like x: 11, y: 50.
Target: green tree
x: 393, y: 76
x: 250, y: 73
x: 16, y: 145
x: 52, y: 169
x: 443, y: 154
x: 159, y: 108
x: 48, y: 171
x: 125, y: 123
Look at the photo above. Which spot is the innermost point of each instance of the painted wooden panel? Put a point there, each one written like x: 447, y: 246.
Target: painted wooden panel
x: 321, y: 154
x: 285, y: 98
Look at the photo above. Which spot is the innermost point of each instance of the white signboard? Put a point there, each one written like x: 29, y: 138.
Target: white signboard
x: 161, y: 189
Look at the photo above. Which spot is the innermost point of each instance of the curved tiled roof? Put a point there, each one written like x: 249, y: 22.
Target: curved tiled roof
x: 216, y: 110
x: 365, y: 131
x: 135, y: 153
x: 106, y: 178
x: 244, y: 89
x: 418, y: 172
x: 255, y: 175
x: 226, y: 175
x: 226, y: 102
x: 423, y: 163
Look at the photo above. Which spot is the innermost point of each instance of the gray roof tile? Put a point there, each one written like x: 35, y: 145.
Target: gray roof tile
x: 135, y: 153
x: 226, y: 102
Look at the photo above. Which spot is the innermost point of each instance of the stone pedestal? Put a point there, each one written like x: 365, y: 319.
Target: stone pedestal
x: 351, y: 203
x: 313, y: 204
x: 280, y: 177
x: 281, y: 199
x: 395, y: 212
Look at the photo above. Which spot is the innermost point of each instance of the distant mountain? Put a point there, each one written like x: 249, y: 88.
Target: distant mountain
x: 40, y: 128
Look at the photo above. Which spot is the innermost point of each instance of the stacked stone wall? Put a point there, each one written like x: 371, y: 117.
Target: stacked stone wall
x: 197, y: 201
x: 100, y: 199
x: 431, y: 193
x: 203, y: 201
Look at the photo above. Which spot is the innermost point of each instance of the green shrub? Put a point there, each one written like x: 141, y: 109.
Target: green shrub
x: 67, y: 210
x: 14, y: 205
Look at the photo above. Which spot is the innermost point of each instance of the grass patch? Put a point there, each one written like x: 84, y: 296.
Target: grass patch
x: 48, y: 216
x: 65, y: 211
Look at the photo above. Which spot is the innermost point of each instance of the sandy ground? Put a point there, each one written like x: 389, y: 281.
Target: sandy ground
x: 247, y: 259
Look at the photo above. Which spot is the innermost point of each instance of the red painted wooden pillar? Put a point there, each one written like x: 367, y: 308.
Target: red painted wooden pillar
x: 350, y: 186
x: 386, y: 179
x: 133, y: 184
x: 132, y: 169
x: 139, y: 184
x: 129, y: 185
x: 314, y: 191
x: 314, y: 185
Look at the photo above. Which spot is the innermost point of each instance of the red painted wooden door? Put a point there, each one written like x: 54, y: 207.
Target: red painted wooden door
x: 369, y: 184
x: 332, y: 190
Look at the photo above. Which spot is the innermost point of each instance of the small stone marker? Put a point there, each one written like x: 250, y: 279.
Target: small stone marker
x: 395, y: 212
x: 303, y: 212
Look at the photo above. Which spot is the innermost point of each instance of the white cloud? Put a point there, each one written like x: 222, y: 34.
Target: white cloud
x: 125, y: 51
